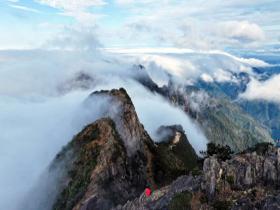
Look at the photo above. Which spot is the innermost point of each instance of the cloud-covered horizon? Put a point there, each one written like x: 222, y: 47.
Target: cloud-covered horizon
x: 192, y: 24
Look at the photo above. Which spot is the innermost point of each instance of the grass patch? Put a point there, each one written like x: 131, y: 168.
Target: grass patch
x: 222, y: 205
x: 181, y: 201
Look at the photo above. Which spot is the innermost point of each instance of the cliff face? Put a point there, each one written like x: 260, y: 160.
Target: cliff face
x: 113, y: 160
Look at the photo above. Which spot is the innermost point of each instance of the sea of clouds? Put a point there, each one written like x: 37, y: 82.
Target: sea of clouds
x: 37, y: 119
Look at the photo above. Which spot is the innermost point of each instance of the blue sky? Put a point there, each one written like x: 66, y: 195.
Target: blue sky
x: 198, y: 24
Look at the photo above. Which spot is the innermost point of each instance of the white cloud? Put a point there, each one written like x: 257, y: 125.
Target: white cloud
x: 72, y: 5
x: 32, y: 133
x: 221, y: 75
x: 75, y: 38
x: 177, y: 67
x: 27, y: 9
x: 268, y: 90
x: 188, y: 65
x: 122, y: 2
x: 130, y: 2
x: 190, y: 24
x: 252, y: 62
x: 76, y: 8
x: 243, y: 31
x: 206, y: 77
x: 216, y: 34
x: 146, y: 50
x: 199, y: 25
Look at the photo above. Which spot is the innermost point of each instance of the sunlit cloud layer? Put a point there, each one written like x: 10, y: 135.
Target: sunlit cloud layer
x: 192, y: 24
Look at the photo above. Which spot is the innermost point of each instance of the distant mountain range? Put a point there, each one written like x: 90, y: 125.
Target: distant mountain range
x: 223, y: 120
x: 266, y: 112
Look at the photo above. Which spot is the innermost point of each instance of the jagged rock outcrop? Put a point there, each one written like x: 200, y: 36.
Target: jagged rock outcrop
x: 249, y: 180
x: 244, y: 170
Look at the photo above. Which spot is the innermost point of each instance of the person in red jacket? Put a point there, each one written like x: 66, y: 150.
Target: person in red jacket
x: 148, y: 192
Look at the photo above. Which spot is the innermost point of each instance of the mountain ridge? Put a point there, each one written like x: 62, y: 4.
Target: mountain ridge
x: 105, y: 173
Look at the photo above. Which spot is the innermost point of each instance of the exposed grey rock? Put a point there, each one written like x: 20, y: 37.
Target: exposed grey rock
x: 211, y: 169
x: 245, y: 170
x: 161, y: 198
x: 271, y: 203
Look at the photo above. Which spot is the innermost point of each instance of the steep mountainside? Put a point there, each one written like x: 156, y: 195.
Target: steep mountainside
x: 228, y: 89
x: 113, y: 160
x: 265, y: 112
x: 223, y: 122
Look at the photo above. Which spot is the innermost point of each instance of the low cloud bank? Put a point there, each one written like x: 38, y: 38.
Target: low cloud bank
x: 188, y: 65
x: 32, y: 132
x: 268, y: 90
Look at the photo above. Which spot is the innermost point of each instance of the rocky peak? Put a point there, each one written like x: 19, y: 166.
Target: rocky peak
x: 140, y: 74
x: 174, y: 154
x: 127, y: 122
x: 80, y: 81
